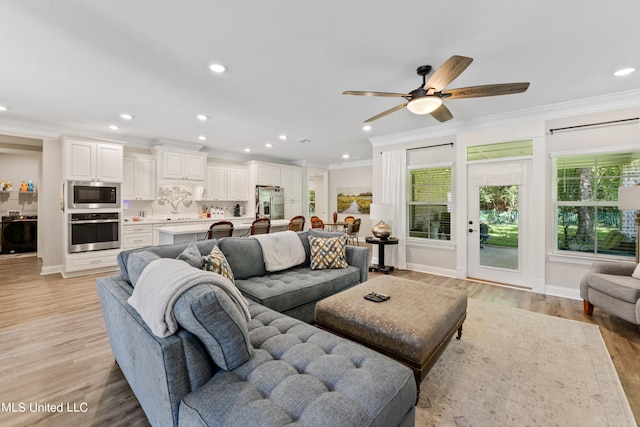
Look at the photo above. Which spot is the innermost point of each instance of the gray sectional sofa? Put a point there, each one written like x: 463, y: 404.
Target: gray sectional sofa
x: 218, y: 369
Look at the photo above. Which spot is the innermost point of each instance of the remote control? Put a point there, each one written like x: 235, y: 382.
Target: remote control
x: 373, y: 297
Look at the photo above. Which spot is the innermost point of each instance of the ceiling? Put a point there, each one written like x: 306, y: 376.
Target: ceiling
x: 74, y: 66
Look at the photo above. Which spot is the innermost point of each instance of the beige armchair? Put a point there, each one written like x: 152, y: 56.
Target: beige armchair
x: 610, y: 287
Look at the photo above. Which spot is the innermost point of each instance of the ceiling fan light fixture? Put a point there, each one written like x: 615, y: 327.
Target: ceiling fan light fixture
x: 424, y: 104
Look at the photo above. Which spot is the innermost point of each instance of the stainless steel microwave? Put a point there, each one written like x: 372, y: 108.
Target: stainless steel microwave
x: 93, y: 195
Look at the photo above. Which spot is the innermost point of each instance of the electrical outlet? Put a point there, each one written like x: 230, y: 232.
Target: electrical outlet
x: 13, y: 213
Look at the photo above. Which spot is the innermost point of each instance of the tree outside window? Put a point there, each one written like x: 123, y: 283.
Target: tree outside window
x: 430, y: 203
x: 586, y: 199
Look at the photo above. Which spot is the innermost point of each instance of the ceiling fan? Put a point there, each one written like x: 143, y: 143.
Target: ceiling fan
x: 427, y: 99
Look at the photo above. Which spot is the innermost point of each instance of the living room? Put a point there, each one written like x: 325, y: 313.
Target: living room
x: 572, y: 109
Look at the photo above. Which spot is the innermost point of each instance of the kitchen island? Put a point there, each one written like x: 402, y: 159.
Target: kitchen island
x: 192, y: 232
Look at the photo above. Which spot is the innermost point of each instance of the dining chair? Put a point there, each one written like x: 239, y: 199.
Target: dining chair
x: 220, y: 229
x: 352, y: 232
x: 350, y: 219
x: 316, y: 222
x: 297, y: 223
x: 260, y: 226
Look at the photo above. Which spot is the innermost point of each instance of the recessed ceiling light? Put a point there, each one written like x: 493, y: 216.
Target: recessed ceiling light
x: 366, y: 128
x: 217, y: 68
x: 246, y: 150
x: 268, y: 145
x: 114, y: 127
x: 624, y: 72
x: 345, y: 156
x: 202, y: 138
x: 283, y: 137
x: 126, y: 116
x: 3, y: 108
x: 202, y: 117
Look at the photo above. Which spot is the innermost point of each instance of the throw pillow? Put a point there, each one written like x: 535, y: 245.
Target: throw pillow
x: 209, y: 313
x: 217, y: 262
x: 636, y: 272
x: 136, y: 263
x: 328, y: 252
x: 191, y: 255
x: 244, y: 256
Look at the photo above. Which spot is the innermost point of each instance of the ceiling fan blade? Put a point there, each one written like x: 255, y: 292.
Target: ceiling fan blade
x: 447, y: 72
x: 361, y: 93
x: 442, y: 114
x: 385, y: 113
x: 485, y: 90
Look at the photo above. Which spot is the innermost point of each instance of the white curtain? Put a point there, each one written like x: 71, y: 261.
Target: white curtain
x: 394, y: 172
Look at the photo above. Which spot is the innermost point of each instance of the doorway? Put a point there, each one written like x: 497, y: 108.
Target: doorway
x: 317, y: 193
x: 498, y: 235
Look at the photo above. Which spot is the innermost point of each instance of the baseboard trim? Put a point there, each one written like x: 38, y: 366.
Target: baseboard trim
x: 559, y: 291
x: 52, y: 269
x: 432, y: 270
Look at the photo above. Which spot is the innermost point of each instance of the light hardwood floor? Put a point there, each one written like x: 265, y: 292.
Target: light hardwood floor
x: 54, y: 348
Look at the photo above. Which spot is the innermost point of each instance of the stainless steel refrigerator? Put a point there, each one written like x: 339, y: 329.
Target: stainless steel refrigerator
x: 270, y: 202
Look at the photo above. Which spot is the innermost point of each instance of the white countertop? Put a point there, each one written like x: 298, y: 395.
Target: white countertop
x: 190, y: 221
x: 204, y: 226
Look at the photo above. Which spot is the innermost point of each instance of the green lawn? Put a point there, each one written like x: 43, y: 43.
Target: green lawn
x: 503, y: 235
x: 507, y: 234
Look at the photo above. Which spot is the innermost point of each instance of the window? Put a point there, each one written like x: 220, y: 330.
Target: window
x: 586, y: 203
x: 430, y: 202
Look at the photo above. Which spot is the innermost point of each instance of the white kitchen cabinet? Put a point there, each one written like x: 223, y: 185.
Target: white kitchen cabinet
x: 216, y: 183
x: 93, y: 262
x: 92, y: 161
x: 139, y: 178
x: 177, y: 165
x: 268, y: 175
x: 292, y: 185
x: 136, y: 235
x: 227, y: 183
x: 237, y: 184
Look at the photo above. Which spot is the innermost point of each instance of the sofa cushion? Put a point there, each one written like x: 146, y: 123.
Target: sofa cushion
x: 625, y: 288
x: 163, y: 251
x: 300, y: 375
x: 207, y: 312
x: 191, y: 255
x: 328, y: 252
x: 282, y: 291
x: 137, y: 262
x: 217, y: 262
x: 244, y: 256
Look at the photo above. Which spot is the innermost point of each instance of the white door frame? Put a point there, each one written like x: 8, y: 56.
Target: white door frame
x: 522, y: 275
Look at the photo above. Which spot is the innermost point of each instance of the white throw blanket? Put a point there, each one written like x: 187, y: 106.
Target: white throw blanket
x: 161, y: 284
x: 281, y: 250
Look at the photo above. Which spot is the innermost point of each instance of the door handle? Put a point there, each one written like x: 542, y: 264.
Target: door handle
x: 471, y: 230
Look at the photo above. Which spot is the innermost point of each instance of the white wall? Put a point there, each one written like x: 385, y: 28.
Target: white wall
x: 550, y: 272
x: 350, y: 176
x: 50, y: 216
x: 18, y: 168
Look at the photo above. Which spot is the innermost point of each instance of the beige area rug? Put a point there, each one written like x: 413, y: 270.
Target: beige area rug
x: 513, y: 367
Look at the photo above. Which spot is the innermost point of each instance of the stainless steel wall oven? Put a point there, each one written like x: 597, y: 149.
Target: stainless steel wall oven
x: 94, y: 231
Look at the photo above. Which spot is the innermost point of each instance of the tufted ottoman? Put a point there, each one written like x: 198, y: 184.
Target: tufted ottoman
x: 413, y: 327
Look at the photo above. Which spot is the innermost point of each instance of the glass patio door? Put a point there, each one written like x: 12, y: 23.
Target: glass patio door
x: 497, y: 232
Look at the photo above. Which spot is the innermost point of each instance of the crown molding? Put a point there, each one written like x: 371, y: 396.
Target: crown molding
x: 595, y: 104
x: 351, y: 165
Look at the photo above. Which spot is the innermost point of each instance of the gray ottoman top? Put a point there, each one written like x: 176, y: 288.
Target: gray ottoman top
x: 411, y: 324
